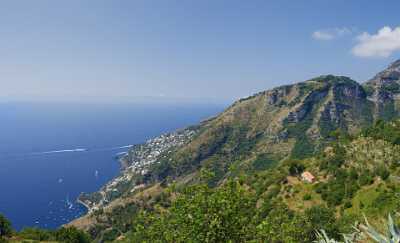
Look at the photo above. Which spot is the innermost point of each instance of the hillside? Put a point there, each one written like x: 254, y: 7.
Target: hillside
x: 264, y: 141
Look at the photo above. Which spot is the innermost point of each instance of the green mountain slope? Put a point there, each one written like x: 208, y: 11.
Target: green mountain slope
x: 261, y: 140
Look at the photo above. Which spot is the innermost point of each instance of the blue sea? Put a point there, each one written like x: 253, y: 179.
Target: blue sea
x: 50, y: 153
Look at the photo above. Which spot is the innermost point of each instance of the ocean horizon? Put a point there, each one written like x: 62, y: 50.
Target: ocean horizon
x: 52, y: 152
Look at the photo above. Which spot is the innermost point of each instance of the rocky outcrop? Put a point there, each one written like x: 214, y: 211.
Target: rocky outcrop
x: 384, y: 91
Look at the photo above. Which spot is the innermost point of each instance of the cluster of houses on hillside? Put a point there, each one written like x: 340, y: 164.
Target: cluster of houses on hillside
x: 135, y: 161
x: 142, y: 155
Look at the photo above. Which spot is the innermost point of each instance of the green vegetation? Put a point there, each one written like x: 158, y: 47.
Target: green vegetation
x: 258, y: 207
x: 68, y: 235
x: 263, y: 162
x: 5, y: 228
x: 388, y: 131
x: 229, y: 214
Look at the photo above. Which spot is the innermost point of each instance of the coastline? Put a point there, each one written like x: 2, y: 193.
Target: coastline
x: 78, y: 200
x: 135, y: 162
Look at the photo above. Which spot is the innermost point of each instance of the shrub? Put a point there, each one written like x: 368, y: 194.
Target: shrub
x: 5, y: 227
x: 71, y: 235
x: 307, y: 197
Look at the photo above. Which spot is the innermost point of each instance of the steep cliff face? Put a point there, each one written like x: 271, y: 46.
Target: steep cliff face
x: 384, y: 91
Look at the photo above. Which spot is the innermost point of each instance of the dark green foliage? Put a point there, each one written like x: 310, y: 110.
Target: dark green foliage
x: 365, y: 178
x: 335, y: 79
x: 5, y: 227
x: 392, y: 87
x: 347, y: 204
x: 321, y: 217
x: 295, y: 167
x: 303, y: 148
x: 36, y: 234
x: 307, y: 197
x: 389, y: 131
x: 110, y: 235
x: 239, y: 142
x: 332, y: 163
x: 369, y: 90
x: 326, y: 127
x: 273, y: 191
x: 383, y: 172
x: 343, y: 185
x: 385, y: 201
x: 263, y: 162
x: 121, y: 217
x: 162, y: 199
x: 71, y: 235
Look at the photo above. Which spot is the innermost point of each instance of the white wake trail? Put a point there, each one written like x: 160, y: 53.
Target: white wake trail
x: 126, y: 146
x: 62, y: 151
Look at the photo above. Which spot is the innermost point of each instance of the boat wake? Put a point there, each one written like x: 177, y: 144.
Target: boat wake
x: 126, y: 146
x: 74, y: 150
x: 61, y: 151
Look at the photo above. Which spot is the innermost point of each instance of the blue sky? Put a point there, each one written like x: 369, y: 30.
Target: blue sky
x: 208, y: 49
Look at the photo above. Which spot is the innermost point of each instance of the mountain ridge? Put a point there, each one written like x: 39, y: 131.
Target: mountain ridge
x: 273, y: 126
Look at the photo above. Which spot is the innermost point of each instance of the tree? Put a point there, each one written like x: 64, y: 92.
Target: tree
x: 35, y: 234
x: 323, y: 218
x: 284, y: 225
x: 202, y: 214
x: 295, y: 168
x: 5, y: 227
x: 71, y: 235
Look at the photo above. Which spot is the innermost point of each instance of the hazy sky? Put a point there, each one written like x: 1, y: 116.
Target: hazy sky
x: 203, y: 49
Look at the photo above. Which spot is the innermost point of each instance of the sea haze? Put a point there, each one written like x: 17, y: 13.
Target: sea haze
x: 50, y: 153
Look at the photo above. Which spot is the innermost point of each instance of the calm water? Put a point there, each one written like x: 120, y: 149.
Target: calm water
x: 40, y: 182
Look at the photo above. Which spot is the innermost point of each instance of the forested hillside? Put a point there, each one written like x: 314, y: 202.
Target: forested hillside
x: 354, y: 176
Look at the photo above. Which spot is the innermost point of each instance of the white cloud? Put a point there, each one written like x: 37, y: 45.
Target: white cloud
x: 320, y: 35
x: 330, y: 34
x: 381, y: 44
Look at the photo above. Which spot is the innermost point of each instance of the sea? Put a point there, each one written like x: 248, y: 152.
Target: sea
x: 52, y: 152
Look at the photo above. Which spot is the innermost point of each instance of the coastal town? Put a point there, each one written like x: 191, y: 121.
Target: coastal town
x: 135, y: 162
x: 141, y: 156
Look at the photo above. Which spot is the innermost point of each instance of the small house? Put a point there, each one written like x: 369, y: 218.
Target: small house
x: 307, y: 176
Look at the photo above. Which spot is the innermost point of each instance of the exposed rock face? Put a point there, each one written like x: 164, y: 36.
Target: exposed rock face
x: 276, y: 95
x: 327, y: 103
x: 384, y: 90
